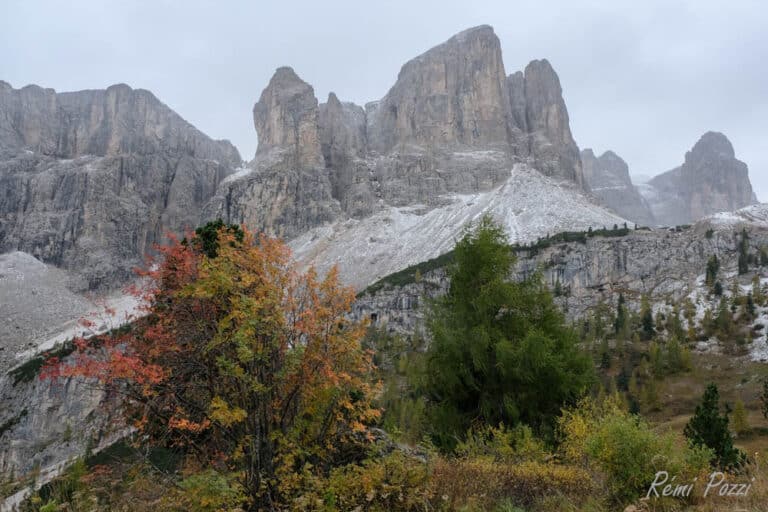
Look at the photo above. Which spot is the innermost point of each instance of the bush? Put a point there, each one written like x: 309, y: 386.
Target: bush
x: 208, y: 491
x: 482, y: 483
x: 624, y: 448
x: 503, y: 444
x: 395, y: 482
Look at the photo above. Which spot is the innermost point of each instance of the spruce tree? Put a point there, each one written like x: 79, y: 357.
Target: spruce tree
x: 621, y: 315
x: 744, y: 252
x: 709, y: 428
x: 713, y: 266
x: 646, y: 319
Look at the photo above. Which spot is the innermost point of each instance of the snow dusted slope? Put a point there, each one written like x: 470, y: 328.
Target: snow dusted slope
x: 756, y: 214
x: 529, y: 205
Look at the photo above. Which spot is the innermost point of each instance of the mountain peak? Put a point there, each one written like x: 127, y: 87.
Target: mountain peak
x: 714, y: 143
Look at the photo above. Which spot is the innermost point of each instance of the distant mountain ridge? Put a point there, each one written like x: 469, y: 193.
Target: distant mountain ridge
x: 711, y: 180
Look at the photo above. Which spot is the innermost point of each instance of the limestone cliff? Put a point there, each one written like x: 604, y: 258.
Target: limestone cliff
x: 608, y: 179
x: 92, y: 179
x: 710, y: 180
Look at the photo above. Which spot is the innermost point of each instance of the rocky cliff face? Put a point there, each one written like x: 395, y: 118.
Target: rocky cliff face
x: 286, y: 119
x: 710, y: 180
x: 115, y: 121
x: 550, y: 141
x: 454, y: 94
x: 664, y: 264
x: 608, y: 179
x: 92, y: 179
x: 286, y: 189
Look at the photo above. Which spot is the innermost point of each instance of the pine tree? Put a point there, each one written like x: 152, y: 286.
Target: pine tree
x: 621, y: 315
x: 646, y: 319
x: 718, y: 289
x: 757, y: 290
x: 713, y: 266
x: 750, y: 306
x: 744, y: 252
x: 709, y: 428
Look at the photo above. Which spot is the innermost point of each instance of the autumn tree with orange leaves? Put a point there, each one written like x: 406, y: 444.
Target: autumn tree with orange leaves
x: 243, y: 360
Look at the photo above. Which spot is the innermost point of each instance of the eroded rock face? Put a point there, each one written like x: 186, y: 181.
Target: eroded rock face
x: 453, y: 122
x: 663, y: 264
x: 710, y: 180
x: 608, y: 179
x: 551, y: 144
x: 286, y: 119
x: 115, y: 121
x: 92, y: 179
x: 454, y: 94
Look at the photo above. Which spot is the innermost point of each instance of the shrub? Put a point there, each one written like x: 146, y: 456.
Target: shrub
x: 395, y: 482
x: 624, y: 448
x: 481, y: 483
x: 208, y: 491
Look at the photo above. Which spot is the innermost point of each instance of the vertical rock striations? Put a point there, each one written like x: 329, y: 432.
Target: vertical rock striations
x: 452, y: 95
x: 92, y: 179
x: 554, y: 151
x: 286, y: 119
x: 607, y: 177
x: 710, y: 180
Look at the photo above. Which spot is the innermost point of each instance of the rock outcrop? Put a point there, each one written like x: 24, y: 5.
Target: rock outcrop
x: 286, y: 189
x: 116, y: 121
x: 452, y: 95
x: 710, y: 180
x: 550, y: 141
x: 608, y: 179
x: 664, y: 264
x: 92, y: 179
x: 286, y: 119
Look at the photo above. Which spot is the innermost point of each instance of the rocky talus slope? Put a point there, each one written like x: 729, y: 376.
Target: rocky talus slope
x: 710, y: 180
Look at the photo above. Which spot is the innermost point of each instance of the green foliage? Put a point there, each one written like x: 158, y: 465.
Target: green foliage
x: 646, y: 319
x: 744, y: 252
x: 207, y: 236
x: 30, y: 369
x: 399, y: 366
x: 713, y: 267
x: 624, y: 448
x: 764, y: 399
x: 409, y: 275
x: 621, y: 315
x: 503, y: 444
x: 209, y: 491
x: 501, y: 352
x: 396, y: 482
x: 740, y: 421
x: 709, y: 428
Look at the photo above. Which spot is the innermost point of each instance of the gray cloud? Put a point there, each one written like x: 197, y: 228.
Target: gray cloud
x: 644, y: 79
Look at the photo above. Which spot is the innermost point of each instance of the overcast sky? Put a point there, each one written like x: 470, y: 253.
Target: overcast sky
x: 643, y: 78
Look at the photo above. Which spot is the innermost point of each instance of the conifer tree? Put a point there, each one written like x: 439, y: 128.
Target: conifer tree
x: 709, y: 428
x: 501, y: 351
